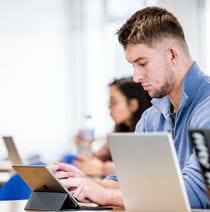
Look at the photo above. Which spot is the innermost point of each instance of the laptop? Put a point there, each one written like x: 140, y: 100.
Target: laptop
x: 200, y: 139
x: 13, y: 153
x: 148, y: 170
x: 48, y: 193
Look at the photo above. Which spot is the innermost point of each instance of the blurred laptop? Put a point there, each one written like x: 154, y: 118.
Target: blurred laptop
x: 200, y: 139
x: 148, y: 171
x: 13, y: 153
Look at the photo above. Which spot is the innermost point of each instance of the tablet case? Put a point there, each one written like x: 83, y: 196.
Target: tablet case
x: 49, y: 201
x: 48, y: 193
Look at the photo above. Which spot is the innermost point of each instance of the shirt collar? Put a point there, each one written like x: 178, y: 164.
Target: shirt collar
x: 191, y: 84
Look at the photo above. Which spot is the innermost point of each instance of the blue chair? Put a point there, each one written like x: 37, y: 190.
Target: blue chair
x: 15, y: 189
x: 68, y: 158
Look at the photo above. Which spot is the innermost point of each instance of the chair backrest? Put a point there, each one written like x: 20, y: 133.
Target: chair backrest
x: 15, y: 189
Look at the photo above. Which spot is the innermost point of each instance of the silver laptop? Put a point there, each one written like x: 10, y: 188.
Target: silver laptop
x: 148, y: 171
x: 13, y: 153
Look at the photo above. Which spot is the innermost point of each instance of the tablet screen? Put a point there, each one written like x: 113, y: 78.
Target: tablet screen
x: 40, y: 178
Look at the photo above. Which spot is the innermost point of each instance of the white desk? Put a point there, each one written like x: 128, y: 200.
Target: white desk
x: 18, y: 206
x: 5, y: 166
x: 4, y: 177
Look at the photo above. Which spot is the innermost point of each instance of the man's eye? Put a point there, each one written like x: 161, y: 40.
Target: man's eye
x: 142, y: 64
x: 136, y: 65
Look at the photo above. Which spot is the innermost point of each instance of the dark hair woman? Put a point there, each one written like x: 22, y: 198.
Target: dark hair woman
x: 127, y: 103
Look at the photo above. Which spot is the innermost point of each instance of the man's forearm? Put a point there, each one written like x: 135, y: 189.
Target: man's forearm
x: 110, y: 184
x: 114, y: 197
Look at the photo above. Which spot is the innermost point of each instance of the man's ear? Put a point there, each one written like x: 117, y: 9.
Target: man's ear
x: 173, y: 55
x: 133, y: 105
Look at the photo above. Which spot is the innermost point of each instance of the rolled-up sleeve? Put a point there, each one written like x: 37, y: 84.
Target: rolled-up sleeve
x: 112, y: 177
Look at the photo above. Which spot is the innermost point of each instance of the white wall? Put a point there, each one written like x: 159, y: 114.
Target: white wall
x: 37, y: 83
x: 191, y: 14
x: 207, y: 37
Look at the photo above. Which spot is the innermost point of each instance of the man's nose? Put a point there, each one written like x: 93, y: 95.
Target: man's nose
x: 137, y: 75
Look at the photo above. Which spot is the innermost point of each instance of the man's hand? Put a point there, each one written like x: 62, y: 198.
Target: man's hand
x: 63, y: 171
x: 85, y: 190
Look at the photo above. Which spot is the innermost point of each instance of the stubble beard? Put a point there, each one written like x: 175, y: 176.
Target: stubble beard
x: 165, y: 89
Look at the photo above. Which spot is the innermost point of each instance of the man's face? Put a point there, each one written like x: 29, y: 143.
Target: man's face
x: 152, y: 68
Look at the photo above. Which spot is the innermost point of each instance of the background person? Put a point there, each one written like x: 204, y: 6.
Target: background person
x: 128, y: 101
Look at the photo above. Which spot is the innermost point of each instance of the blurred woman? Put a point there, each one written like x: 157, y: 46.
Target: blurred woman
x: 127, y: 103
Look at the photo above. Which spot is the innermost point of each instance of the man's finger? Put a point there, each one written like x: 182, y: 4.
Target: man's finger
x: 65, y: 167
x: 63, y: 175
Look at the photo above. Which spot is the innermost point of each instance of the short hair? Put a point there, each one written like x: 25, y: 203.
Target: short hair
x: 150, y: 25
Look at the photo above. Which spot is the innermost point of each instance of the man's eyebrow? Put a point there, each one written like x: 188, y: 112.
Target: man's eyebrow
x: 139, y: 58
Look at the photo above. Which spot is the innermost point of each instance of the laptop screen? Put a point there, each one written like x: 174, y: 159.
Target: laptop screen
x: 148, y: 171
x: 13, y: 154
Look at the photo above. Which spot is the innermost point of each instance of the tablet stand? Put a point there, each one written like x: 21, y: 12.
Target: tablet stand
x: 50, y: 201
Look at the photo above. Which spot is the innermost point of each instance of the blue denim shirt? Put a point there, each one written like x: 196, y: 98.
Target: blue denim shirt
x: 193, y: 112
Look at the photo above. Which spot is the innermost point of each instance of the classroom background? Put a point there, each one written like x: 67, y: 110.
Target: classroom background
x: 57, y: 58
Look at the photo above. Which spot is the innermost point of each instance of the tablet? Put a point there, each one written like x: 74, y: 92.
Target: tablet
x: 41, y: 180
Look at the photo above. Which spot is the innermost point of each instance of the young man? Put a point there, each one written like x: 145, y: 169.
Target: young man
x: 154, y: 43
